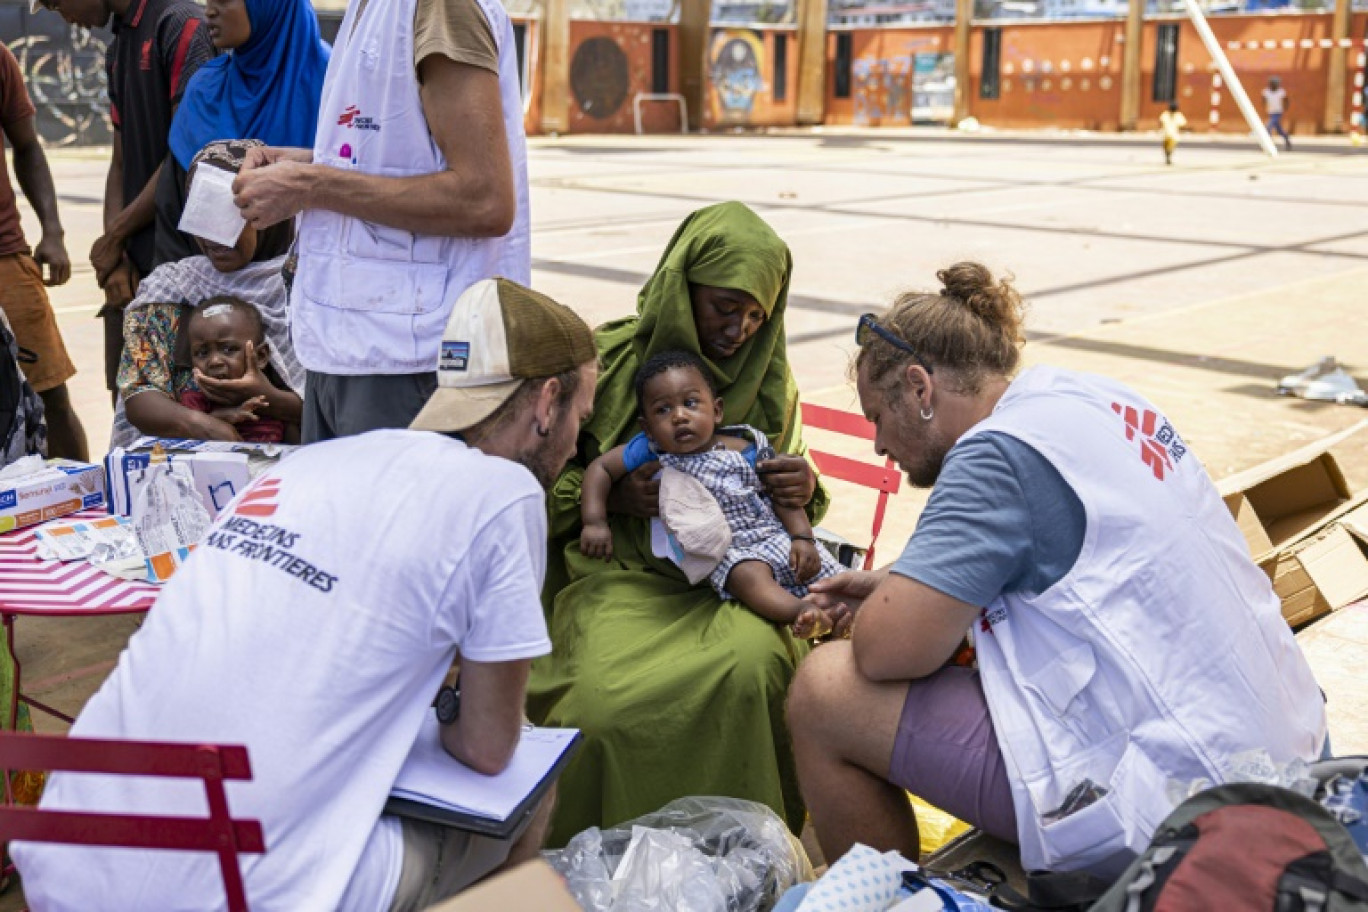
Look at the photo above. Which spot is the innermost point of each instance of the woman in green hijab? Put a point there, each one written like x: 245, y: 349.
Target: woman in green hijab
x: 677, y: 693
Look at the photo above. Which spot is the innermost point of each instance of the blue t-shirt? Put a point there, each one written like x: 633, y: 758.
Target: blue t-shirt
x: 638, y: 452
x: 1000, y: 519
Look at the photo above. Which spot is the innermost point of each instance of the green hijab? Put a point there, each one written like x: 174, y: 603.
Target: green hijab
x: 725, y: 246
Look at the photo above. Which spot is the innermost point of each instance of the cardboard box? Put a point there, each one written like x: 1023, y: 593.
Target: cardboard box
x: 1249, y: 523
x: 1306, y: 528
x: 63, y: 486
x: 1284, y: 500
x: 531, y: 887
x: 221, y: 468
x: 1321, y: 574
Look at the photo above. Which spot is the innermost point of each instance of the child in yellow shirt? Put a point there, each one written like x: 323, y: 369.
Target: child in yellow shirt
x: 1171, y: 123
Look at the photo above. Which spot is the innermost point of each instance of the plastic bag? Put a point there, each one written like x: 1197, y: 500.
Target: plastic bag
x: 693, y: 855
x: 1345, y: 796
x: 935, y: 828
x: 168, y: 517
x: 1253, y: 765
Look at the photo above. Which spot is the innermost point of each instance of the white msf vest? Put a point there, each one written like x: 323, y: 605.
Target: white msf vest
x: 1163, y: 651
x: 369, y: 299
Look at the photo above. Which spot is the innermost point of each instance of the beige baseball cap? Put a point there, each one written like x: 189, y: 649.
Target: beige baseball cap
x: 695, y: 519
x: 499, y: 335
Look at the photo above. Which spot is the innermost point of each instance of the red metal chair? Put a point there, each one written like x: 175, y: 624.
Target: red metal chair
x: 218, y: 833
x: 885, y: 479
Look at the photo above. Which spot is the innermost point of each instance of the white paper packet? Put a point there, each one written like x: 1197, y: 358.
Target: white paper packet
x: 210, y: 212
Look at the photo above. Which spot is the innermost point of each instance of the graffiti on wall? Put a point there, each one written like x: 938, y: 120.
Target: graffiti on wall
x: 599, y: 77
x: 65, y: 76
x: 933, y: 88
x: 736, y: 61
x: 882, y: 90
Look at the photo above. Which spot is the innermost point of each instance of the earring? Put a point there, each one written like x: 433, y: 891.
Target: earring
x: 543, y: 432
x: 927, y: 413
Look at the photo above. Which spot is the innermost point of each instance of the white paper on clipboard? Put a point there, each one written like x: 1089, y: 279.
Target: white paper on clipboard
x: 210, y: 212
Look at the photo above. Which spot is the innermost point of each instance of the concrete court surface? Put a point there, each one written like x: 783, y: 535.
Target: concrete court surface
x: 1200, y: 284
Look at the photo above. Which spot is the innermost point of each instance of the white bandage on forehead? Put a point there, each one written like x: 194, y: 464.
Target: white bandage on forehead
x: 217, y: 310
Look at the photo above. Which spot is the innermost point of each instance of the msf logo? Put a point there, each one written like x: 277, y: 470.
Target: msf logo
x: 260, y: 500
x: 1161, y: 449
x: 352, y: 119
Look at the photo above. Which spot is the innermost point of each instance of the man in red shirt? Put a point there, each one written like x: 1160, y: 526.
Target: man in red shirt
x: 22, y: 294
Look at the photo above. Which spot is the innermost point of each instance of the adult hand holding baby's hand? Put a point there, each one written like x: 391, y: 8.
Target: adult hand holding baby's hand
x: 252, y: 384
x: 811, y: 623
x: 596, y: 540
x: 803, y: 559
x: 845, y: 591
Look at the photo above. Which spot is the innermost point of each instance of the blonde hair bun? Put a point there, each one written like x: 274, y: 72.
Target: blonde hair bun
x: 970, y: 329
x: 994, y: 301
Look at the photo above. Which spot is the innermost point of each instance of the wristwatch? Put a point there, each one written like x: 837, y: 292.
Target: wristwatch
x: 448, y: 705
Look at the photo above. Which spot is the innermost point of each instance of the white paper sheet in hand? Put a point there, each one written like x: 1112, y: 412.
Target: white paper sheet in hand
x: 432, y: 776
x: 862, y: 880
x: 210, y: 212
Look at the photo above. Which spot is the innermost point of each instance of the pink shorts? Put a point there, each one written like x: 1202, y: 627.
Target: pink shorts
x: 946, y: 752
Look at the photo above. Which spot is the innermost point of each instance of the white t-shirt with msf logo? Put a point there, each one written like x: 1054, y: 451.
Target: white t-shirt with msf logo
x: 314, y: 625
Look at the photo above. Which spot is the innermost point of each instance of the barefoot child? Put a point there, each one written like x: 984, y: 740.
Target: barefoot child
x: 773, y: 555
x: 229, y: 353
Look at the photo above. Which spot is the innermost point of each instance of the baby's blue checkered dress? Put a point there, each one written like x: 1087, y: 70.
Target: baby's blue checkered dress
x: 756, y: 531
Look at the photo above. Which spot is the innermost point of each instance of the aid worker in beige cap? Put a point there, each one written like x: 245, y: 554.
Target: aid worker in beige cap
x: 316, y: 623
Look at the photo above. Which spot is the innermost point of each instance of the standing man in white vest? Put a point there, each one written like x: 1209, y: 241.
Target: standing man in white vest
x: 1124, y: 636
x: 415, y: 189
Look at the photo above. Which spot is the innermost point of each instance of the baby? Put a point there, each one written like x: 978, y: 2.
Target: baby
x: 227, y: 341
x: 773, y: 555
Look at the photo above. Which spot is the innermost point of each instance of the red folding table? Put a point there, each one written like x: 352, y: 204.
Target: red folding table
x: 42, y: 588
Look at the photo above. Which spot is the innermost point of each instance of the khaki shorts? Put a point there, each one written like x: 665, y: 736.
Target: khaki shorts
x: 23, y: 297
x: 440, y: 862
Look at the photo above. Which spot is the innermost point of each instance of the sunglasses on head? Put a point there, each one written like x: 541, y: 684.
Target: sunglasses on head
x: 870, y: 324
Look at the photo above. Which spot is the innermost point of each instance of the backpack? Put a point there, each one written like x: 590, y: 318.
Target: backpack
x: 1245, y: 847
x: 23, y: 430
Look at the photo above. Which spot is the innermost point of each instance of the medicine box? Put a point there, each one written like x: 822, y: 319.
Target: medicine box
x: 221, y: 469
x: 63, y: 486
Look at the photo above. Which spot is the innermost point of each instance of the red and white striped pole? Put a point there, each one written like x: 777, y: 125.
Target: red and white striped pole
x: 1215, y: 117
x: 1356, y: 114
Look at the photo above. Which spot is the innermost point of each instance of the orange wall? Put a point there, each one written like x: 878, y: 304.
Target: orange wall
x: 610, y: 63
x: 1304, y: 70
x: 1057, y: 74
x: 741, y: 80
x: 1052, y: 74
x: 1068, y: 74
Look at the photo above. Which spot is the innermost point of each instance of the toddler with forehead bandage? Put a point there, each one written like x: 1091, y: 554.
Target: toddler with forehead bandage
x: 228, y: 350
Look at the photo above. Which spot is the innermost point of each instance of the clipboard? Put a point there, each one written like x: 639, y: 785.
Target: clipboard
x: 479, y: 824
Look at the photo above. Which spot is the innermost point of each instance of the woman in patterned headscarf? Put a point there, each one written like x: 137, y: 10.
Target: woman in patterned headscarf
x: 677, y: 693
x: 155, y: 369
